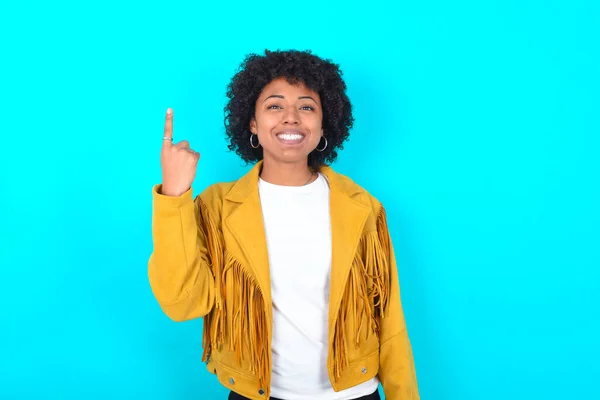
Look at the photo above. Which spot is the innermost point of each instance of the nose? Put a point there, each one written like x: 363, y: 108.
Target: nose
x: 291, y: 116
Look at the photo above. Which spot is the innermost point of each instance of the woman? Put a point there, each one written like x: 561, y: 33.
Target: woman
x: 291, y: 266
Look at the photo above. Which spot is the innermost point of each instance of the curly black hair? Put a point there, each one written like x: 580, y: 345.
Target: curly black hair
x: 322, y: 76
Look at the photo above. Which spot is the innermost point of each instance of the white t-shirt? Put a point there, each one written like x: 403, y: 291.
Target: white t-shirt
x: 298, y: 233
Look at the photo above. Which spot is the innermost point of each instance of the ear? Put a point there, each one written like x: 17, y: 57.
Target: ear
x: 253, y: 125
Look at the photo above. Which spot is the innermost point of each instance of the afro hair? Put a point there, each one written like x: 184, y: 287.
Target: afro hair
x: 322, y: 76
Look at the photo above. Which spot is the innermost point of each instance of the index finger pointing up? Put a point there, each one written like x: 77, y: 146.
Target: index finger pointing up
x: 168, y: 133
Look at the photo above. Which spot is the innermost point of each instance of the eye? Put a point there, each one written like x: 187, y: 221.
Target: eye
x: 274, y: 107
x: 310, y: 108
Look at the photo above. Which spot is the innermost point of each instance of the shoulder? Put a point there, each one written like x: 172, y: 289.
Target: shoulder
x: 354, y: 190
x: 211, y: 198
x: 216, y: 191
x: 376, y: 220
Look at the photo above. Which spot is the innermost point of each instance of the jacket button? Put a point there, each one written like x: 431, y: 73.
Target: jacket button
x: 261, y: 392
x: 231, y: 380
x: 364, y: 370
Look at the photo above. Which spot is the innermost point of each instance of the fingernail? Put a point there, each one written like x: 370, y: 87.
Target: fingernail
x: 169, y: 111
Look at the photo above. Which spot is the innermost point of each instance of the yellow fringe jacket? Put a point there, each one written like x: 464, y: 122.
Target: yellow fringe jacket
x: 210, y: 260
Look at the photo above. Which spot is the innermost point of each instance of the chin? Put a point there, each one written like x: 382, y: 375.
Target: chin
x: 290, y: 157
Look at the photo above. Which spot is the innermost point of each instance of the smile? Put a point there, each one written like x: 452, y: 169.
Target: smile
x: 290, y: 137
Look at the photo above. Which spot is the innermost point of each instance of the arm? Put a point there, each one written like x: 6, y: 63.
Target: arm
x: 397, y: 369
x: 179, y: 266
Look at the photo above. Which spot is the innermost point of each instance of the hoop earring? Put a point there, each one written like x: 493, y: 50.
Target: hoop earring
x: 257, y: 143
x: 324, y: 147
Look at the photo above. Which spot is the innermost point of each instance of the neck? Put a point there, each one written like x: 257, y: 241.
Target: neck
x: 286, y: 174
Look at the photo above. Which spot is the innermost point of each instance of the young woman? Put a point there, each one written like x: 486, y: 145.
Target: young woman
x: 291, y: 266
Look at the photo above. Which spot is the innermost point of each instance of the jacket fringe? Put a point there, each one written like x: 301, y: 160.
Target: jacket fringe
x: 366, y: 293
x: 364, y: 300
x: 247, y: 327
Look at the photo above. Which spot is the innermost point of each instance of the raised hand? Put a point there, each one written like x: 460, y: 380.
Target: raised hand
x: 178, y: 162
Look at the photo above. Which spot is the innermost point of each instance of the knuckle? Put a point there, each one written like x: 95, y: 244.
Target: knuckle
x: 182, y: 145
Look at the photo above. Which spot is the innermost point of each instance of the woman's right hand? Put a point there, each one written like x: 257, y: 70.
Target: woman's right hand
x: 178, y: 162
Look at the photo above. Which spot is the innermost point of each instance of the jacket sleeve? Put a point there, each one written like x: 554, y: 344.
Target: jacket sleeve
x: 179, y: 266
x: 396, y: 366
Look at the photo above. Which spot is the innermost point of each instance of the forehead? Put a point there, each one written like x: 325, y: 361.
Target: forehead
x: 283, y: 87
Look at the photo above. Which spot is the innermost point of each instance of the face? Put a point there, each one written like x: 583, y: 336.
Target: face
x: 288, y: 121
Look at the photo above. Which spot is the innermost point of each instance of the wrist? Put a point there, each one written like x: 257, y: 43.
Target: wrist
x: 166, y: 191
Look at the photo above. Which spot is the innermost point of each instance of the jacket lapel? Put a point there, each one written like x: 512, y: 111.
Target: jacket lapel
x: 348, y: 218
x: 247, y: 227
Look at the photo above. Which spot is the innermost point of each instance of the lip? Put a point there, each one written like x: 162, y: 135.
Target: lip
x: 293, y: 132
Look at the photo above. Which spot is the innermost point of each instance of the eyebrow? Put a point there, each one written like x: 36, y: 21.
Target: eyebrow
x: 282, y: 97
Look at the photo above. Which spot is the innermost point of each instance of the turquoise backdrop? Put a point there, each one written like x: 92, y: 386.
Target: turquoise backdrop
x: 477, y: 125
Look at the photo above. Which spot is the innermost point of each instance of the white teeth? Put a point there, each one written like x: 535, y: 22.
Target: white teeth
x: 290, y: 136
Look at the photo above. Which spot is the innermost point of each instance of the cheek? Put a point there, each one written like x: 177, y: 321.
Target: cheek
x: 314, y: 122
x: 265, y: 122
x: 317, y: 128
x: 315, y: 136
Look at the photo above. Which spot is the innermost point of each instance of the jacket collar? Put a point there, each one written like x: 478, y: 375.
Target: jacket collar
x: 347, y: 214
x: 248, y: 184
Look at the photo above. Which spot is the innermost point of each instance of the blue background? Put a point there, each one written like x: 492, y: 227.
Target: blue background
x: 477, y: 124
